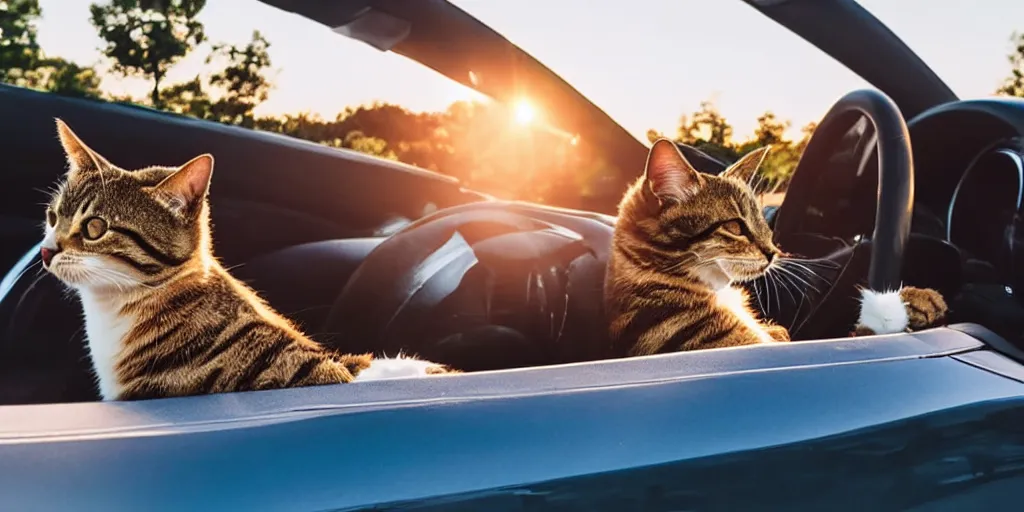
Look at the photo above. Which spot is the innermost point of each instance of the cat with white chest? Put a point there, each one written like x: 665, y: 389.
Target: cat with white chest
x: 683, y: 242
x: 163, y: 317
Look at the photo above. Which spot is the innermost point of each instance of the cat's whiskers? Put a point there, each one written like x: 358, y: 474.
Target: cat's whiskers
x: 757, y: 295
x: 801, y: 275
x: 767, y: 291
x: 778, y: 294
x: 772, y: 279
x: 126, y: 278
x: 109, y: 280
x: 787, y: 282
x: 38, y: 264
x: 687, y: 259
x: 802, y: 266
x: 814, y: 263
x: 783, y: 267
x: 115, y: 278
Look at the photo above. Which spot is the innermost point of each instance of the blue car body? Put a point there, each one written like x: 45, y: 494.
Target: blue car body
x: 926, y: 421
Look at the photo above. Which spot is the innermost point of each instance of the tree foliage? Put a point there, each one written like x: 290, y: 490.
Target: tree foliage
x: 19, y: 50
x: 60, y: 76
x: 709, y: 131
x: 145, y: 38
x: 187, y: 98
x: 23, y: 63
x: 242, y: 84
x: 1014, y: 84
x: 232, y: 93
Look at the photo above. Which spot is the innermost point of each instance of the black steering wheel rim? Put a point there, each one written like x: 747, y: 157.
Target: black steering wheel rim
x: 895, y: 197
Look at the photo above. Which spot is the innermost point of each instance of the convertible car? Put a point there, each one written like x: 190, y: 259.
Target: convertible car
x: 545, y: 417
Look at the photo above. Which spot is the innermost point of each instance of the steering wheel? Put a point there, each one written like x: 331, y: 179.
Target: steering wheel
x: 895, y: 196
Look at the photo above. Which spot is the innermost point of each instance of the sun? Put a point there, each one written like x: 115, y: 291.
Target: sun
x: 525, y: 113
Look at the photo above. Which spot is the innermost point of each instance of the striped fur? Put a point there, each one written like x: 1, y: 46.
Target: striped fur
x: 163, y: 317
x: 681, y: 240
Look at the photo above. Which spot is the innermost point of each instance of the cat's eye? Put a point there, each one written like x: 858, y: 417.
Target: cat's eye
x: 51, y: 218
x: 733, y: 227
x: 94, y: 227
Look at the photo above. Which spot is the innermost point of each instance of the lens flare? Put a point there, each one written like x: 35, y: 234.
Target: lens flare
x: 524, y: 112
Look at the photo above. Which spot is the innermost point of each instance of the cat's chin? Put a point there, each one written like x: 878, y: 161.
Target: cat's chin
x: 99, y: 290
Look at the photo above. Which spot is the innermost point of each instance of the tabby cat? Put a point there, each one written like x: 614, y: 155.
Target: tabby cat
x: 162, y: 317
x: 682, y: 238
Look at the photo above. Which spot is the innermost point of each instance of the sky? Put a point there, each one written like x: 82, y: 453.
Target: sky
x: 645, y: 64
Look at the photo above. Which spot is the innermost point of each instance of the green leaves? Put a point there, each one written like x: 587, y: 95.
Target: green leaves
x: 19, y: 51
x: 145, y: 38
x: 709, y: 131
x: 23, y: 63
x: 242, y: 83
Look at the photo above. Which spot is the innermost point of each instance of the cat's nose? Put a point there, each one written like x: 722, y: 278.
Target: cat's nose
x: 47, y: 254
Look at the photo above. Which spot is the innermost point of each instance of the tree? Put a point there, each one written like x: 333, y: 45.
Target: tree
x: 145, y: 38
x: 708, y: 131
x: 242, y: 83
x: 188, y: 98
x: 808, y: 132
x: 358, y: 141
x: 709, y: 125
x: 769, y: 129
x: 19, y: 50
x: 65, y: 78
x: 23, y: 63
x: 778, y: 166
x: 653, y: 135
x: 1014, y: 84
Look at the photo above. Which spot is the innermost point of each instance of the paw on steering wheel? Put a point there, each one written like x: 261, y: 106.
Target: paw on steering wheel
x: 873, y: 263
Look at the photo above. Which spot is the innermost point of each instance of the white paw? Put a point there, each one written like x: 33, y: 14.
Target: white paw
x: 401, y: 367
x: 883, y: 312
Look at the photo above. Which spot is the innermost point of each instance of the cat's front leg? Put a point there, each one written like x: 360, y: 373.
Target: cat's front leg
x: 777, y: 332
x: 925, y: 308
x: 439, y: 369
x: 401, y: 367
x: 908, y: 309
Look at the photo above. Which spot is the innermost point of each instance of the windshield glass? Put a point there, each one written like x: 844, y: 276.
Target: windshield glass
x: 716, y: 75
x: 725, y: 78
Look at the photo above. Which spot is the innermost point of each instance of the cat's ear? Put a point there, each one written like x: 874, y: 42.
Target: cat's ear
x: 81, y: 158
x: 745, y: 167
x: 668, y: 175
x: 185, y: 190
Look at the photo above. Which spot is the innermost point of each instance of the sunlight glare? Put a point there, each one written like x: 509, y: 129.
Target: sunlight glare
x: 525, y: 113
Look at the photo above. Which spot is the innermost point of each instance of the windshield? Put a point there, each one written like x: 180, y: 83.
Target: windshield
x: 725, y: 78
x: 716, y: 75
